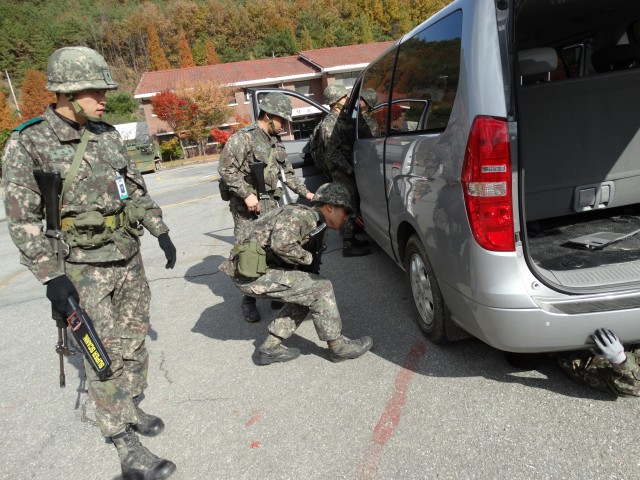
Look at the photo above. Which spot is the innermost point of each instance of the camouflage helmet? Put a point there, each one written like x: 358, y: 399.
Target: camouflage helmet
x: 333, y: 194
x: 370, y: 97
x: 334, y: 92
x: 277, y: 104
x: 73, y: 69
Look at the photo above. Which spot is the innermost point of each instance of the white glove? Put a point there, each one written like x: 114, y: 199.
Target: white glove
x: 609, y: 345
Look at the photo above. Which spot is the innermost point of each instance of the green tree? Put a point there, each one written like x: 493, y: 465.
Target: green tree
x: 121, y: 108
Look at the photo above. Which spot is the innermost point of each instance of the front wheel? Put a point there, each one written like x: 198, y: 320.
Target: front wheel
x: 428, y: 304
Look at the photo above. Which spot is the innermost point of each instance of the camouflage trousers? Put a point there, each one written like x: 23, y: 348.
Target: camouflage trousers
x: 349, y: 182
x: 241, y: 215
x: 302, y: 293
x: 595, y: 371
x: 116, y: 296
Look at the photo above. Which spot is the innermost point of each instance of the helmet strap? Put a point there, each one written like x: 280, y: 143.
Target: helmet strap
x: 272, y: 125
x: 79, y: 110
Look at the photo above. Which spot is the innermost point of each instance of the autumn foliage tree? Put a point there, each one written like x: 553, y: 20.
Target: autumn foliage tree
x: 208, y: 107
x: 184, y: 52
x: 7, y: 118
x: 157, y: 58
x: 35, y: 98
x: 172, y: 110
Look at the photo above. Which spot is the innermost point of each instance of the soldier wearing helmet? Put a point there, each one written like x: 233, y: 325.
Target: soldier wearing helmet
x: 258, y: 144
x: 367, y: 126
x: 331, y: 146
x: 104, y: 208
x: 286, y: 234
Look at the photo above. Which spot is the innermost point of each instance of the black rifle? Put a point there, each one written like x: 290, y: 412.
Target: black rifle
x: 257, y: 169
x: 50, y: 185
x: 316, y: 246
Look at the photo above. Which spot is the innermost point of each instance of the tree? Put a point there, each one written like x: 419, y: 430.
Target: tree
x: 207, y: 106
x: 121, y: 108
x: 211, y: 56
x: 35, y: 98
x: 172, y: 109
x: 157, y: 58
x: 7, y: 118
x: 184, y: 52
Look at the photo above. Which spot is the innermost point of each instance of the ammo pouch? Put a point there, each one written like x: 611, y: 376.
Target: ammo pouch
x: 250, y: 259
x: 225, y: 193
x: 133, y: 217
x: 87, y: 230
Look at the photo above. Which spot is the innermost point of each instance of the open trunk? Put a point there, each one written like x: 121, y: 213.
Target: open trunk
x: 579, y: 133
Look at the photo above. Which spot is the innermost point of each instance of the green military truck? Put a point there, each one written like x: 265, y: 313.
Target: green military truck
x: 146, y: 154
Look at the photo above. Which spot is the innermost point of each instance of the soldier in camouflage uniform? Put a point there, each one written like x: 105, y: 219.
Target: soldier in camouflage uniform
x: 258, y: 143
x: 283, y: 233
x: 333, y: 144
x: 367, y: 126
x: 612, y: 370
x: 104, y: 209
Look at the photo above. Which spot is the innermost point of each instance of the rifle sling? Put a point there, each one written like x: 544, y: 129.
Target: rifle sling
x: 75, y: 165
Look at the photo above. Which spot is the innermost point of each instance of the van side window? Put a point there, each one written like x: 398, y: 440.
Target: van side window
x: 426, y: 77
x: 374, y: 94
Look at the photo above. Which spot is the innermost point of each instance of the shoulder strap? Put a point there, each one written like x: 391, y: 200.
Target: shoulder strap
x: 75, y: 165
x: 28, y: 123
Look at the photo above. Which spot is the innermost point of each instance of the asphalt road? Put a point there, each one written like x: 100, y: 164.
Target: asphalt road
x: 406, y: 410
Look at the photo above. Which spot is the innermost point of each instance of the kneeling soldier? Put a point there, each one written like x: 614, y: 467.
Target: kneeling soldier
x: 269, y: 261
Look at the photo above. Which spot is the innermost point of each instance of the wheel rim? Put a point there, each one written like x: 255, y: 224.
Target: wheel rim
x: 421, y: 289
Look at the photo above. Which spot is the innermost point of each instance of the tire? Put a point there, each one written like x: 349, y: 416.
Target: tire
x: 157, y: 165
x: 428, y: 304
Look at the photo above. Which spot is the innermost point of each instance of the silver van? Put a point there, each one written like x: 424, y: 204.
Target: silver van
x: 497, y: 156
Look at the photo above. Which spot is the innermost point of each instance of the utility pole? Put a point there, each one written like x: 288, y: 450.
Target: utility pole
x: 13, y: 95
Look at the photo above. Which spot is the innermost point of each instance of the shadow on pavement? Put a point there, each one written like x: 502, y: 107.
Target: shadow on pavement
x: 374, y: 300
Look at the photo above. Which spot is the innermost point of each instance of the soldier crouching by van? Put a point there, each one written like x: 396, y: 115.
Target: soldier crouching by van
x: 258, y: 149
x: 104, y: 205
x: 612, y: 370
x: 268, y: 261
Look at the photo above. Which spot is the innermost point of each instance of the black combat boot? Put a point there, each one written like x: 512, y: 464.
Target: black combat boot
x: 137, y: 462
x: 148, y: 425
x: 344, y: 349
x: 272, y: 351
x: 249, y: 309
x: 350, y: 248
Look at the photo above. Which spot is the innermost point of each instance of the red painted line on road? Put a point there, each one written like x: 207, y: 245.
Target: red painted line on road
x: 391, y: 415
x: 255, y: 417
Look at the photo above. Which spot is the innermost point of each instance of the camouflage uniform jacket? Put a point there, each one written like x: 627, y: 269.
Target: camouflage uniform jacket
x: 49, y: 144
x: 337, y: 143
x: 282, y: 232
x: 251, y: 145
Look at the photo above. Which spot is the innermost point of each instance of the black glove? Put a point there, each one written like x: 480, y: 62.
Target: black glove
x: 169, y: 250
x: 58, y: 292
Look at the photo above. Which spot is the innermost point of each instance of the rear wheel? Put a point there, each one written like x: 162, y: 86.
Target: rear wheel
x: 428, y: 303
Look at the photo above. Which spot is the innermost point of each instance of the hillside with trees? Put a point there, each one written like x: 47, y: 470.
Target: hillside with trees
x: 138, y: 36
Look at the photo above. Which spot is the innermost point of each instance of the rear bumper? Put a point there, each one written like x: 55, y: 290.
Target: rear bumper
x: 537, y: 329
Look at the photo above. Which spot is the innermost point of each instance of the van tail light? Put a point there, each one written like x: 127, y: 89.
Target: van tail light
x: 486, y: 181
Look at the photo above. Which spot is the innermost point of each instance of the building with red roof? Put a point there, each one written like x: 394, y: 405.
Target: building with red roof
x: 309, y: 73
